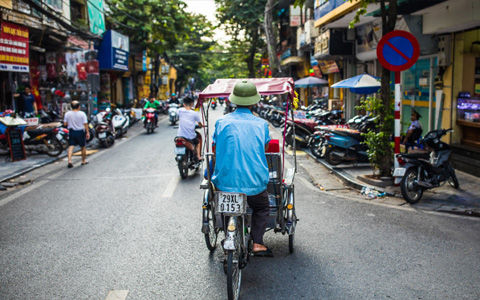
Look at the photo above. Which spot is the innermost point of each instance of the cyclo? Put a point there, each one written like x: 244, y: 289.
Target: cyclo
x: 229, y: 212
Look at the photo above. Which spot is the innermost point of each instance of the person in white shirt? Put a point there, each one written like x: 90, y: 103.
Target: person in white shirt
x: 77, y: 124
x: 188, y: 121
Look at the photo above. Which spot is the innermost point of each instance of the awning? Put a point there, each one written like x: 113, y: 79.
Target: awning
x: 265, y: 86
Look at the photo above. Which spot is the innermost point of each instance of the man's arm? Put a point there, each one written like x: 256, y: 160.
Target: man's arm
x: 86, y: 130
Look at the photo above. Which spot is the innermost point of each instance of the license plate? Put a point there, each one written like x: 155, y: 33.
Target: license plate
x: 399, y: 172
x: 180, y: 150
x: 102, y: 135
x: 59, y: 136
x: 230, y: 203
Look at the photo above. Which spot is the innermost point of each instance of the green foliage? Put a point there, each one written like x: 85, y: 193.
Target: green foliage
x: 192, y: 54
x: 156, y: 25
x: 380, y: 145
x: 242, y: 21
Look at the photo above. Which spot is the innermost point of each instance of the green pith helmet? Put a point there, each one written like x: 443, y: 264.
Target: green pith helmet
x: 244, y: 93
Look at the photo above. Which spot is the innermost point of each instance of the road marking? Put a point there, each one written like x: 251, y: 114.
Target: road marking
x: 172, y: 185
x: 22, y: 192
x: 117, y: 295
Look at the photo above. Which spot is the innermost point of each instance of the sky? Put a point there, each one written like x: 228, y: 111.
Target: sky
x: 207, y: 8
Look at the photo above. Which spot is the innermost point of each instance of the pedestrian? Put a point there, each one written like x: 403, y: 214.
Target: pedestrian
x: 77, y: 124
x: 27, y: 103
x: 414, y: 131
x: 241, y: 140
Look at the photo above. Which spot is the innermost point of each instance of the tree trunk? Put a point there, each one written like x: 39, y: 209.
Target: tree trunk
x: 251, y: 55
x: 271, y: 40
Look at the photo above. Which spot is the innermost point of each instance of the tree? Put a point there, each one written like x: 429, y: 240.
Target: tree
x: 271, y: 39
x: 151, y: 24
x: 190, y: 53
x: 242, y: 20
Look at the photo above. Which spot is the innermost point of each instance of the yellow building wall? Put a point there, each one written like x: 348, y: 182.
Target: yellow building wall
x: 462, y: 45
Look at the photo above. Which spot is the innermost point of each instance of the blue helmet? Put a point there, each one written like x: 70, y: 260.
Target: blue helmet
x: 173, y: 94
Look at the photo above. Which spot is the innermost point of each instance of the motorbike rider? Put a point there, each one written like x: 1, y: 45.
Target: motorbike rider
x: 173, y: 100
x: 188, y: 119
x: 155, y: 104
x: 241, y: 140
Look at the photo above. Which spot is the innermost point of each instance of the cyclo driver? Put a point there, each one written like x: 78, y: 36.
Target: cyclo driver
x: 155, y: 104
x: 241, y: 140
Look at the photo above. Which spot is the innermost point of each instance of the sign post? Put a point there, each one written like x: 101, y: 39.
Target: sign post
x: 398, y: 51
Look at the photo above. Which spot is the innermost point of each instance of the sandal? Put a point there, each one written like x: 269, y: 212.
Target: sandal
x: 85, y: 163
x: 263, y: 253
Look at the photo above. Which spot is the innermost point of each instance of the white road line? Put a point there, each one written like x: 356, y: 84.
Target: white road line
x: 172, y: 185
x: 117, y: 295
x: 22, y: 192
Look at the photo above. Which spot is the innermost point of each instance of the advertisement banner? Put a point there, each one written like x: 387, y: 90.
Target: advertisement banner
x: 14, y: 48
x: 113, y: 52
x: 328, y: 66
x: 96, y: 16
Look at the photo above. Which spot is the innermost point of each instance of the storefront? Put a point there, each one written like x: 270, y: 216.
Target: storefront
x: 113, y: 55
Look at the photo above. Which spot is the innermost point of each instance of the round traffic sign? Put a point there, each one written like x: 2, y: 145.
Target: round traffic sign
x: 398, y: 50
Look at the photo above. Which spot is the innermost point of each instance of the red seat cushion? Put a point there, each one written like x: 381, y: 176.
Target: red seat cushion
x: 273, y: 146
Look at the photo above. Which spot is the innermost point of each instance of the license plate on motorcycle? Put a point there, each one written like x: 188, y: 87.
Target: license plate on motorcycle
x: 180, y: 150
x: 102, y: 135
x: 399, y: 172
x: 59, y: 136
x: 230, y: 203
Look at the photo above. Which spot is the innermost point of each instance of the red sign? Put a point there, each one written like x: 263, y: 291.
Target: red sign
x: 398, y: 50
x: 13, y: 48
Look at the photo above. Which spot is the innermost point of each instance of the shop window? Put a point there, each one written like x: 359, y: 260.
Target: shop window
x: 55, y: 4
x: 78, y: 14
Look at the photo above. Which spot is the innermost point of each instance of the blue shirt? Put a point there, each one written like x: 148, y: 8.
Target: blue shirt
x: 28, y: 101
x: 241, y: 165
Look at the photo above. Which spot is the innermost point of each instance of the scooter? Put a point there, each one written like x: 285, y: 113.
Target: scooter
x: 185, y: 156
x: 149, y: 122
x: 120, y: 122
x: 104, y: 130
x: 173, y: 113
x: 41, y: 140
x: 418, y: 172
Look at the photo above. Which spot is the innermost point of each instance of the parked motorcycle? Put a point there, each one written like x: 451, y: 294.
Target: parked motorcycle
x: 173, y: 113
x: 61, y: 133
x: 41, y: 140
x: 185, y: 156
x: 120, y: 122
x: 104, y: 130
x: 149, y: 122
x: 422, y: 171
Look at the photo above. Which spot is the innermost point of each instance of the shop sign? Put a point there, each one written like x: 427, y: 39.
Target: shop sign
x: 113, y: 52
x: 313, y: 61
x: 295, y: 16
x: 14, y: 48
x: 96, y: 16
x: 328, y: 66
x: 144, y: 61
x: 286, y: 54
x: 31, y: 121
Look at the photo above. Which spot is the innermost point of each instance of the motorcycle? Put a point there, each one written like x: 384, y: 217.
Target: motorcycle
x: 61, y: 133
x: 104, y: 130
x: 120, y: 122
x: 185, y: 156
x: 418, y: 172
x: 214, y: 104
x: 41, y: 140
x: 149, y: 122
x: 173, y: 113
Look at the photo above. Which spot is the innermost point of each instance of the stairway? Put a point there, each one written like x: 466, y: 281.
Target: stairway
x: 466, y: 159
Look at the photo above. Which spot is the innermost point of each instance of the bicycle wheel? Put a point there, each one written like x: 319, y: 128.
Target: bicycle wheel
x: 234, y: 275
x: 212, y: 235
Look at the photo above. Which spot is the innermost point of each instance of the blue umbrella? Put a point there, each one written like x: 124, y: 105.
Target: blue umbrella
x: 360, y: 84
x: 310, y: 81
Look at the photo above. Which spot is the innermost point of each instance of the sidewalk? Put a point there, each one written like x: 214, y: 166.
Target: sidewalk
x: 465, y: 200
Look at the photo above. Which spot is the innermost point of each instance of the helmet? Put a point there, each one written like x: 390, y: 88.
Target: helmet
x: 173, y: 94
x: 244, y: 93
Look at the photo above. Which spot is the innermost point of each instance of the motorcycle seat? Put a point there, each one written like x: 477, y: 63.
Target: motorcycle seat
x: 38, y: 132
x: 416, y: 155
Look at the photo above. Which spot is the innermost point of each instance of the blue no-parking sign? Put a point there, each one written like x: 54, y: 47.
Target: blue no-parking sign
x: 398, y: 50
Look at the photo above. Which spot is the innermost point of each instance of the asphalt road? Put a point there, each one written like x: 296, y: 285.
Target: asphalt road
x: 127, y: 227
